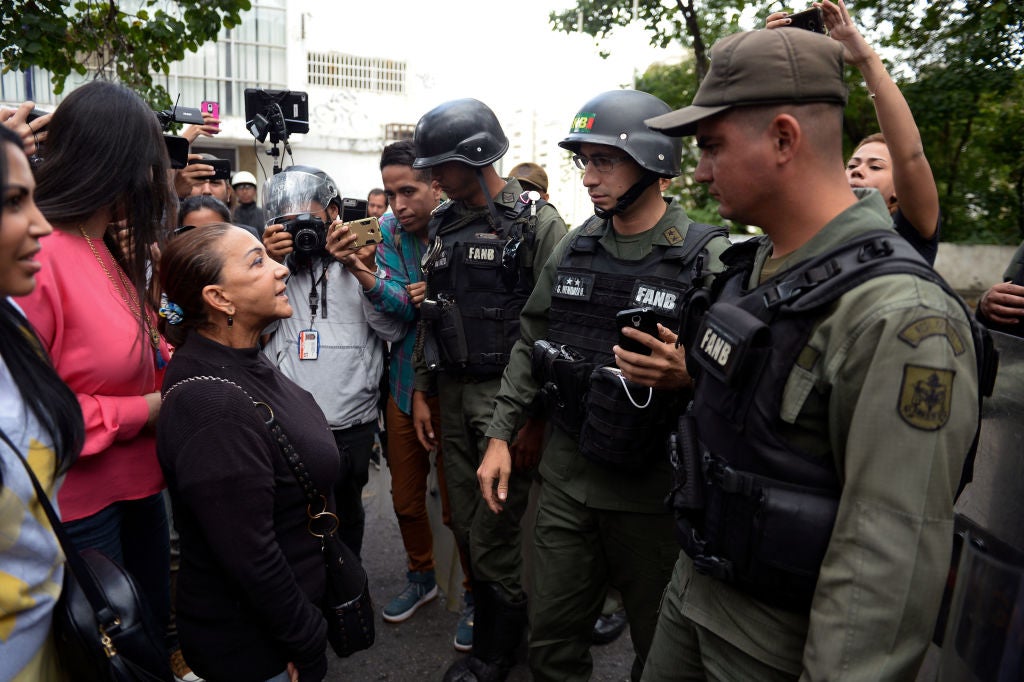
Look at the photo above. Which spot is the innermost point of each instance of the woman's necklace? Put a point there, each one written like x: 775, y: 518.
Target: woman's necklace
x: 130, y: 299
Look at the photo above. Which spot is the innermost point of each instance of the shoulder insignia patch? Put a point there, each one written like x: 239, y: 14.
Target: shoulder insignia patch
x: 919, y: 330
x: 672, y: 236
x: 508, y: 197
x: 926, y: 396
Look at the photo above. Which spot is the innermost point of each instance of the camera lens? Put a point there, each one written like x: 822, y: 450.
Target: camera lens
x: 307, y: 241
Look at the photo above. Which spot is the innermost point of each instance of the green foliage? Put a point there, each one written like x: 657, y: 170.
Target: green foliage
x: 129, y: 42
x: 958, y: 62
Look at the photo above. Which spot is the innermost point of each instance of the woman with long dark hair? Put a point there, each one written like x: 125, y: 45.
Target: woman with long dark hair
x: 41, y: 419
x: 105, y: 172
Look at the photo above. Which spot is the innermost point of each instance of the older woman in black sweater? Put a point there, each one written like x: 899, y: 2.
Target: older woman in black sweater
x: 252, y: 576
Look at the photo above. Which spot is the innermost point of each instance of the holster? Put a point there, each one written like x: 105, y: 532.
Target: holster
x: 563, y: 375
x: 450, y: 335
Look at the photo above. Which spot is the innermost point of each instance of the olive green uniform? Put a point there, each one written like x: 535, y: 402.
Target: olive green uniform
x: 466, y: 407
x: 852, y: 400
x: 595, y: 527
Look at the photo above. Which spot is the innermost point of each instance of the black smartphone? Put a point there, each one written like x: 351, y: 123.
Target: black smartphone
x: 642, y: 319
x: 221, y: 168
x: 810, y: 20
x: 177, y: 150
x: 352, y: 209
x: 36, y: 113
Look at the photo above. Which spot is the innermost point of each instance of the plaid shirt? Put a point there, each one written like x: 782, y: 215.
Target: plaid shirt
x: 398, y: 264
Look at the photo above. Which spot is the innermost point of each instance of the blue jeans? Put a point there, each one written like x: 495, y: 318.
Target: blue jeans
x: 134, y: 534
x: 281, y: 677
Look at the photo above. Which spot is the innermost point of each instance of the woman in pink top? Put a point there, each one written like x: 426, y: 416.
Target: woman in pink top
x: 105, y: 163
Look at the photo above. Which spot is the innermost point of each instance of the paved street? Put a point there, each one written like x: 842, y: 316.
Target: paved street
x: 420, y: 649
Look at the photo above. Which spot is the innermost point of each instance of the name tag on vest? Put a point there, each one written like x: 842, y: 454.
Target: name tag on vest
x: 573, y: 286
x: 665, y: 300
x: 443, y: 259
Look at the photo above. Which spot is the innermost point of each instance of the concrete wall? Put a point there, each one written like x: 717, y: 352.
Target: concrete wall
x: 972, y: 268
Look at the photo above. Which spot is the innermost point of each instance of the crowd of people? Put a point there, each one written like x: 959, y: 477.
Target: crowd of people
x: 750, y: 451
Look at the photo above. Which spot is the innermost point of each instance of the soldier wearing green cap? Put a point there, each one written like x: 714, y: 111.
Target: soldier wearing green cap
x: 835, y: 400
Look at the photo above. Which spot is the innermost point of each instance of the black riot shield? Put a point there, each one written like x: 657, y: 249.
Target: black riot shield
x: 984, y: 633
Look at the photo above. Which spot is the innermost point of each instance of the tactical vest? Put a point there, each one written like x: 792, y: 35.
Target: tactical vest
x: 618, y: 423
x: 752, y: 509
x: 478, y: 278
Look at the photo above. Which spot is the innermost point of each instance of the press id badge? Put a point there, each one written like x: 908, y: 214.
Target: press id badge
x: 309, y: 344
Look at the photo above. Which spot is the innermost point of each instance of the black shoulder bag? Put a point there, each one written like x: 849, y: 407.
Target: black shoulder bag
x: 103, y: 629
x: 347, y: 606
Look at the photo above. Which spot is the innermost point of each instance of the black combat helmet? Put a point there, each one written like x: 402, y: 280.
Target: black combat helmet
x: 464, y: 130
x: 616, y: 118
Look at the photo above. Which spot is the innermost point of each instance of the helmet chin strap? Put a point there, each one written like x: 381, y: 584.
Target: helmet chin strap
x: 495, y: 218
x: 630, y: 196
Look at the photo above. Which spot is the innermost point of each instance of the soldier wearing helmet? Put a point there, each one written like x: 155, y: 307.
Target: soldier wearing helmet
x: 488, y: 242
x: 601, y: 519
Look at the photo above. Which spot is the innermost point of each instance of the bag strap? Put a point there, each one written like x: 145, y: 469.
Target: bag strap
x: 106, y: 617
x: 291, y: 456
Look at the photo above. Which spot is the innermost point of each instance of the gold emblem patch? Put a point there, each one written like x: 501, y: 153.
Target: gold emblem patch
x: 926, y: 396
x: 672, y: 236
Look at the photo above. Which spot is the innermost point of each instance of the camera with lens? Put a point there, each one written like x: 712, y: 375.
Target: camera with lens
x: 309, y: 234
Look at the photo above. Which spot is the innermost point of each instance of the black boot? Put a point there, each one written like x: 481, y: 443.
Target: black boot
x: 498, y: 626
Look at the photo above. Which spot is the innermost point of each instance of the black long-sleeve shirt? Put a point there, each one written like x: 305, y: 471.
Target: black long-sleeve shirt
x: 251, y: 575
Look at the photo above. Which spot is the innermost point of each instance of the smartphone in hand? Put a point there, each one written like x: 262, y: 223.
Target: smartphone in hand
x: 367, y: 231
x: 810, y: 20
x: 642, y: 319
x: 211, y: 108
x: 221, y: 168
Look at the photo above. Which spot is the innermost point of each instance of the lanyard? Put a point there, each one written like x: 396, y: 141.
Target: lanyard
x: 314, y: 300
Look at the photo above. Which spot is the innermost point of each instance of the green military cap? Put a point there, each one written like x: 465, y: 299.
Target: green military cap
x: 769, y: 66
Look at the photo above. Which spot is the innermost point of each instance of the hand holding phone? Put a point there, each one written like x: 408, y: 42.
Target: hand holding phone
x: 212, y: 109
x: 221, y: 168
x: 641, y: 319
x: 366, y: 230
x: 810, y: 20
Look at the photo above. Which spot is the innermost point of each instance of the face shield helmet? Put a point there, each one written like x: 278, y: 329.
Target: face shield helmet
x: 298, y: 198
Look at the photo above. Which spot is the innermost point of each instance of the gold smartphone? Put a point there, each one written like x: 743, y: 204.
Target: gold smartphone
x: 367, y: 231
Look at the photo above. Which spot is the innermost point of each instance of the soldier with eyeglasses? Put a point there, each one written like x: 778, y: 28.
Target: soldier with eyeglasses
x: 602, y: 520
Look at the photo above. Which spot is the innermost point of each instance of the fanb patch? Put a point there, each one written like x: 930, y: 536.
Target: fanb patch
x: 483, y: 253
x: 583, y: 122
x: 665, y: 300
x: 573, y: 286
x: 925, y: 397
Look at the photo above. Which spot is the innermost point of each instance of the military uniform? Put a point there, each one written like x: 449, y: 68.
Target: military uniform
x: 595, y: 526
x: 466, y: 403
x: 886, y: 391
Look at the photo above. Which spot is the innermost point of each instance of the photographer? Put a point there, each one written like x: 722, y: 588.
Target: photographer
x: 332, y: 346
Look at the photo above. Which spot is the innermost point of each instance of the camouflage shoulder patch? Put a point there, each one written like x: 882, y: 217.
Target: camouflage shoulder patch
x: 919, y: 330
x: 926, y: 396
x: 672, y: 236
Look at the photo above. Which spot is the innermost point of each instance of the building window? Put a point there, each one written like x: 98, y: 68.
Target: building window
x: 251, y: 55
x: 393, y: 132
x: 337, y: 70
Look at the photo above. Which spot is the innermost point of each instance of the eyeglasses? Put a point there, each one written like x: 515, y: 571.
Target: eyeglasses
x: 183, y: 229
x: 602, y: 164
